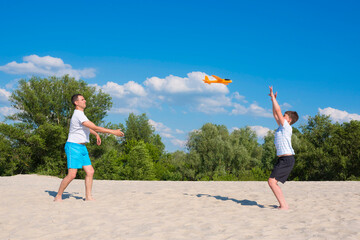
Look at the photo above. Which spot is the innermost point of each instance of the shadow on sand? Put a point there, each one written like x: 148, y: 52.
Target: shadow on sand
x: 243, y: 202
x: 65, y: 195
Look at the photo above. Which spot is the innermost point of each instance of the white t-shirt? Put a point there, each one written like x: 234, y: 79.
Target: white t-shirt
x: 283, y: 139
x: 78, y: 133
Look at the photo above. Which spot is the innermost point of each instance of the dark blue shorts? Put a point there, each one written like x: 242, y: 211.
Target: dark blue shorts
x: 77, y: 155
x: 283, y: 168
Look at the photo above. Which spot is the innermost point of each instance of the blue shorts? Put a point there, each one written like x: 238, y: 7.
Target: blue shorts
x: 77, y: 155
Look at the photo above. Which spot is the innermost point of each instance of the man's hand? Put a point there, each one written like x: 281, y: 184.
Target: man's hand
x: 118, y: 133
x: 98, y: 140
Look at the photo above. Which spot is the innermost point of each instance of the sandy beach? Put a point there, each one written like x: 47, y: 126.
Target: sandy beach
x: 177, y: 210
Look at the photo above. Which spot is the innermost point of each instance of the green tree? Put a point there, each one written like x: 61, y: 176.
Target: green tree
x: 139, y: 165
x: 166, y: 168
x: 327, y: 151
x: 246, y: 150
x: 186, y: 165
x: 212, y: 144
x: 222, y: 156
x: 347, y: 142
x: 138, y: 128
x: 269, y: 157
x: 15, y: 153
x: 109, y: 166
x: 317, y: 130
x: 48, y: 100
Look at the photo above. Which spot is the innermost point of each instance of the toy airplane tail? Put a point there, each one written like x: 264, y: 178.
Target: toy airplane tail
x: 206, y: 80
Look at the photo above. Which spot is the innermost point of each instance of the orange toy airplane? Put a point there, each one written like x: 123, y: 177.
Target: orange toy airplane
x: 218, y: 80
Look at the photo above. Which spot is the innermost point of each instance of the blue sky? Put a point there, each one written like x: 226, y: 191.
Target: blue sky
x: 151, y: 56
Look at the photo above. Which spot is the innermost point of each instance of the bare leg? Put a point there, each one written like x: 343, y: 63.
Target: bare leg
x: 89, y: 170
x: 273, y: 183
x: 64, y: 183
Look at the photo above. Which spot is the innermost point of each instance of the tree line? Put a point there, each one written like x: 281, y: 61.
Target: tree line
x: 33, y: 142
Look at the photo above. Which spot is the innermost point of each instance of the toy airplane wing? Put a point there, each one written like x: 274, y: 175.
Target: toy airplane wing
x: 217, y: 78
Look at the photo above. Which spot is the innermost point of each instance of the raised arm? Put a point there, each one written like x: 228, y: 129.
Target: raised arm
x: 276, y: 108
x: 95, y: 128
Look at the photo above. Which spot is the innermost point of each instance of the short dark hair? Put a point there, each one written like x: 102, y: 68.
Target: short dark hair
x: 293, y: 116
x: 74, y: 98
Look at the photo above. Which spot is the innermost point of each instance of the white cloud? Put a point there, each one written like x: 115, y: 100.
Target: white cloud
x: 239, y: 109
x: 166, y: 132
x: 339, y: 115
x: 188, y: 93
x: 170, y: 84
x: 45, y: 62
x: 286, y: 106
x: 46, y: 66
x: 239, y: 97
x: 10, y: 85
x: 123, y: 111
x: 127, y: 98
x: 254, y: 109
x: 4, y: 95
x: 215, y: 104
x: 193, y: 83
x: 305, y: 117
x: 121, y: 91
x: 178, y: 131
x: 160, y: 127
x: 135, y: 88
x: 6, y: 111
x: 178, y: 142
x: 259, y: 111
x: 167, y: 135
x: 260, y: 131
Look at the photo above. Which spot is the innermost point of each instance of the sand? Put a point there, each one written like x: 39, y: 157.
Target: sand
x: 177, y: 210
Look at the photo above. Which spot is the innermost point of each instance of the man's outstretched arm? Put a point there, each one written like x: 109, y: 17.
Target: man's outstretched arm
x: 92, y: 126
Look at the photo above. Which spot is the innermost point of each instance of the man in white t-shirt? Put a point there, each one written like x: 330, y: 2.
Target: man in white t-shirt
x: 75, y: 149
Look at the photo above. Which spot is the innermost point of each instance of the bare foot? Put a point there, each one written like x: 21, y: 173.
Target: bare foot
x: 280, y: 208
x: 58, y: 199
x: 284, y: 208
x: 89, y: 199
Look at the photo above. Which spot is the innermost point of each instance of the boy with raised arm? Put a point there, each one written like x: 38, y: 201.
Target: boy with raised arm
x: 75, y: 149
x: 284, y: 150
